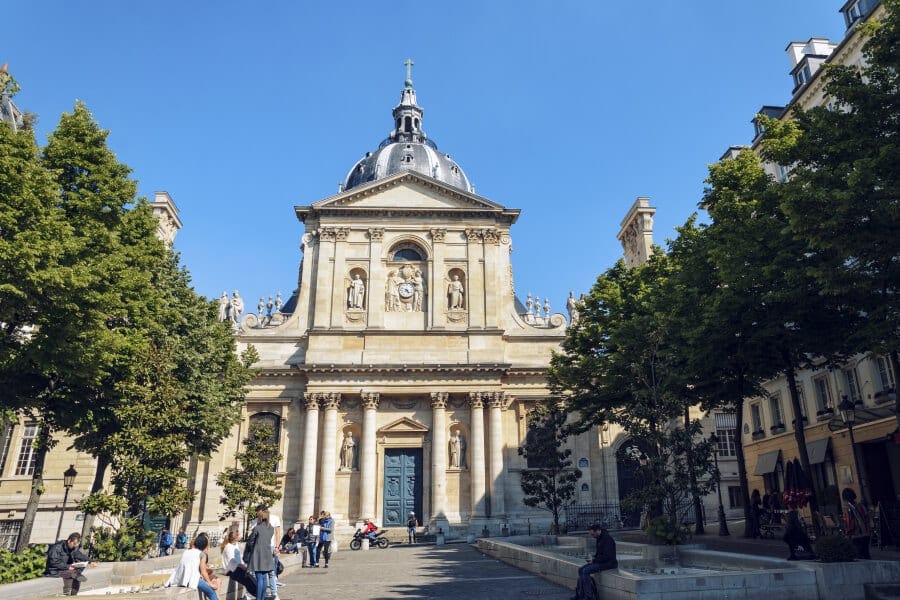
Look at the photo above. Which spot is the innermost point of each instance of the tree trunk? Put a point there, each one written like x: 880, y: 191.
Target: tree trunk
x: 99, y: 475
x: 692, y: 474
x: 895, y: 365
x: 37, y: 487
x: 799, y: 431
x: 5, y: 433
x: 741, y: 461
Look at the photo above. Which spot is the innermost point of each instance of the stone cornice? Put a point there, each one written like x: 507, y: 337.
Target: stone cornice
x: 498, y: 368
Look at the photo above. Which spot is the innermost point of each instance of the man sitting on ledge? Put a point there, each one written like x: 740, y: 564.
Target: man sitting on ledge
x: 604, y: 559
x: 66, y: 561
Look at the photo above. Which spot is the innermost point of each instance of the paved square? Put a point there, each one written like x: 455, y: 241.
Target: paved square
x: 455, y: 571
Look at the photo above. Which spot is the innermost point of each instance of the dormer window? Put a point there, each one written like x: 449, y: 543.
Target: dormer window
x: 803, y: 75
x: 853, y: 13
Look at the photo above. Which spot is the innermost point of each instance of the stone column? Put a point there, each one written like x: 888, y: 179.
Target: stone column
x: 338, y: 287
x: 476, y: 464
x: 308, y: 467
x: 475, y: 278
x: 324, y: 276
x: 377, y: 275
x: 367, y: 467
x: 492, y: 288
x: 439, y: 459
x: 437, y: 286
x: 330, y: 403
x: 497, y: 472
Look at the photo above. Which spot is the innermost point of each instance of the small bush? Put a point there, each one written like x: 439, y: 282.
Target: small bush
x: 26, y: 565
x: 129, y: 542
x: 666, y: 530
x: 834, y: 548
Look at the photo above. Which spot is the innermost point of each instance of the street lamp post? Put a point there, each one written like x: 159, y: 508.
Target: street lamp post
x: 69, y: 476
x: 848, y: 416
x: 723, y: 526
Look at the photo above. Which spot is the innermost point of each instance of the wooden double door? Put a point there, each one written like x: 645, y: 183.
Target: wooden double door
x: 402, y: 485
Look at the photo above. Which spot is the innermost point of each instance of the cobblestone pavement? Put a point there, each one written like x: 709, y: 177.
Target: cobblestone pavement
x: 456, y: 571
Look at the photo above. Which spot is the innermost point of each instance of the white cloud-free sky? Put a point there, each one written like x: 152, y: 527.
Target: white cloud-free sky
x: 568, y: 110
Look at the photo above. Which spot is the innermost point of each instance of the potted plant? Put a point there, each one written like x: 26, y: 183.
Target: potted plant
x: 664, y: 530
x: 777, y: 428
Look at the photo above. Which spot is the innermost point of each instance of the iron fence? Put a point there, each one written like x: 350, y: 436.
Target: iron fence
x: 581, y: 515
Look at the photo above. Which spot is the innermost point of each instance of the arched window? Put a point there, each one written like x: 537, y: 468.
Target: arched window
x: 407, y: 125
x: 273, y: 421
x: 585, y: 487
x: 583, y: 463
x: 407, y: 254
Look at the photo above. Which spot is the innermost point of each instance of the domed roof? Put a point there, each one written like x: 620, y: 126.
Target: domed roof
x: 407, y: 148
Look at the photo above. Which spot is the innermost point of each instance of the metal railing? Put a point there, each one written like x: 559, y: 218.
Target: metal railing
x: 581, y: 515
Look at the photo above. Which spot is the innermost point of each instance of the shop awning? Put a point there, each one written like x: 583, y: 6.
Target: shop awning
x: 767, y: 462
x: 816, y: 451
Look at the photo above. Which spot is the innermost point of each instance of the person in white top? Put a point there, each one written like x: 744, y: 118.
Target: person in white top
x: 234, y: 565
x: 192, y: 572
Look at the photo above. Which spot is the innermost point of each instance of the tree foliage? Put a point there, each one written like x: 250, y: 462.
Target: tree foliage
x: 253, y: 482
x: 550, y: 479
x: 842, y: 193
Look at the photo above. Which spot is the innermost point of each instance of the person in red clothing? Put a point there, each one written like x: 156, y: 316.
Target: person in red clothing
x: 857, y: 524
x: 369, y: 530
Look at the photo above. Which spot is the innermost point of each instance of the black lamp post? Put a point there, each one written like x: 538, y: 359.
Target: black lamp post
x: 723, y: 526
x: 69, y: 476
x: 848, y: 416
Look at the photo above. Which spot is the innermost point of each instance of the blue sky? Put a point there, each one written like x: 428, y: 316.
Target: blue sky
x: 566, y: 110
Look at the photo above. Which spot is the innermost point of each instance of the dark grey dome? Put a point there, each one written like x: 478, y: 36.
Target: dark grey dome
x: 394, y: 157
x: 407, y: 148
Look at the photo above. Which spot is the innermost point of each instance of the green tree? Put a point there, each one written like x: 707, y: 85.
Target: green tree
x: 619, y: 364
x: 254, y: 481
x: 841, y: 197
x: 549, y: 480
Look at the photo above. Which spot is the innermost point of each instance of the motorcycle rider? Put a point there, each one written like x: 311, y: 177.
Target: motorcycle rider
x: 369, y: 530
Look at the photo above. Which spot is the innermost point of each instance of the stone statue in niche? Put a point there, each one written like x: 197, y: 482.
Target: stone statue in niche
x: 348, y: 453
x: 356, y: 293
x: 455, y: 294
x: 457, y: 451
x: 405, y: 290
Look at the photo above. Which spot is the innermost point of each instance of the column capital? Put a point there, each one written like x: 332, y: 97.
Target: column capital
x: 370, y: 400
x: 439, y: 399
x: 376, y: 233
x: 330, y: 400
x: 311, y: 399
x: 438, y: 235
x: 491, y: 236
x: 497, y: 399
x: 474, y: 235
x: 476, y: 399
x: 327, y: 234
x: 341, y: 233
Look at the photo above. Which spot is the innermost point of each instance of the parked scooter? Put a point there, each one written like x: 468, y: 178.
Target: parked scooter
x: 380, y: 542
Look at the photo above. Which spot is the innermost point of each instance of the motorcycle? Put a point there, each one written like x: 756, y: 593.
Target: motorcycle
x: 380, y: 542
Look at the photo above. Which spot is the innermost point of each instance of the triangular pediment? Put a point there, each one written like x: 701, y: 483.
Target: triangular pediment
x: 403, y: 425
x: 408, y: 191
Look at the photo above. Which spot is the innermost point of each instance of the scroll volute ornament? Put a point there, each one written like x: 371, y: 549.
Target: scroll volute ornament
x: 439, y: 399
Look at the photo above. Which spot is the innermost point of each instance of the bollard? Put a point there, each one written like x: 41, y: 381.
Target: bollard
x: 365, y: 544
x: 440, y: 537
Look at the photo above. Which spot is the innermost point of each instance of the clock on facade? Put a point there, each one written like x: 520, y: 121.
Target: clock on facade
x: 406, y: 290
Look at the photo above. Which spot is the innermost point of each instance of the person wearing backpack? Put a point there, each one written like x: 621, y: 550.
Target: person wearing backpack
x: 165, y: 542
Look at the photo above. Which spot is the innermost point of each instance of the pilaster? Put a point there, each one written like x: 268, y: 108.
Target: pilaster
x: 308, y: 466
x: 475, y: 278
x: 477, y: 470
x: 367, y: 462
x: 330, y: 403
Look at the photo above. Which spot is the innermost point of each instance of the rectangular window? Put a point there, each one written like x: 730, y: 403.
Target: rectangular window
x: 823, y: 393
x: 9, y: 534
x: 885, y: 374
x: 4, y: 451
x: 775, y: 409
x: 852, y: 382
x: 735, y: 500
x: 27, y: 452
x: 726, y: 434
x: 756, y: 417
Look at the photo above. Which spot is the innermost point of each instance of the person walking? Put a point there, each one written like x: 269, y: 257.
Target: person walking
x: 259, y: 555
x: 66, y: 561
x: 604, y: 558
x: 181, y: 540
x: 856, y: 520
x: 411, y: 524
